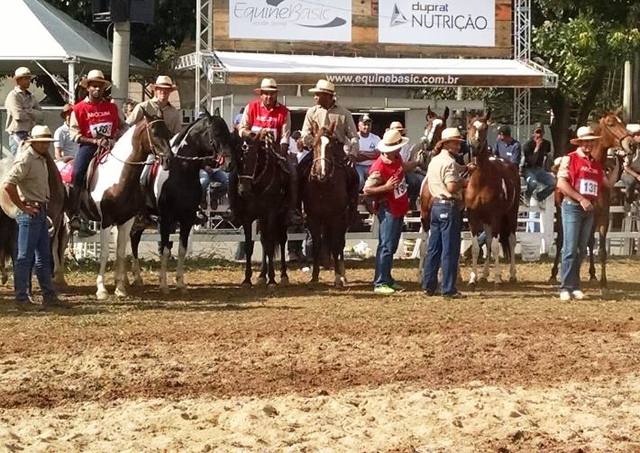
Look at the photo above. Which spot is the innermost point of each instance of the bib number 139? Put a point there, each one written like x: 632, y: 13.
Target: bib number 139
x: 588, y: 187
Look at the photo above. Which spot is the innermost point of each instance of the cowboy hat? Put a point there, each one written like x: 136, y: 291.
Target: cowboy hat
x: 40, y: 134
x: 95, y: 75
x: 633, y: 128
x: 163, y: 81
x: 268, y: 85
x: 22, y: 72
x: 66, y: 110
x: 450, y: 134
x: 365, y: 118
x: 397, y: 125
x: 392, y: 140
x: 323, y: 86
x: 584, y: 134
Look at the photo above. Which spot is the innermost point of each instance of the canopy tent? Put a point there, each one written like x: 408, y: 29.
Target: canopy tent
x: 34, y: 31
x: 362, y: 71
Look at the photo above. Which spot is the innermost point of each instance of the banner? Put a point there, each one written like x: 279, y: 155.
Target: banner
x: 437, y: 22
x: 290, y: 20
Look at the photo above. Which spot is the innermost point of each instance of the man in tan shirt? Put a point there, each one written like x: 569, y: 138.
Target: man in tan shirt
x: 23, y: 110
x: 325, y: 112
x: 159, y: 106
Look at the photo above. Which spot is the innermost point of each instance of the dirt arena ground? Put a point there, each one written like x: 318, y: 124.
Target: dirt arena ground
x: 303, y: 368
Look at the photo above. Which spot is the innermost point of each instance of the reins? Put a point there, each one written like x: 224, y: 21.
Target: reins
x: 153, y: 149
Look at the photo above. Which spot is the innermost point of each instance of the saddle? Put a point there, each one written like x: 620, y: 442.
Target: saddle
x: 147, y: 181
x: 98, y: 159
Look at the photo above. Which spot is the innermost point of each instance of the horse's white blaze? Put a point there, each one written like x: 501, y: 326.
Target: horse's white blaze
x: 434, y: 125
x: 324, y: 142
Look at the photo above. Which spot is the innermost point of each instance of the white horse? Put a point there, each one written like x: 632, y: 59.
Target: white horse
x: 115, y: 195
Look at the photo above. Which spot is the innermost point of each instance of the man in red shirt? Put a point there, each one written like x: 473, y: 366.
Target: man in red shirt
x: 580, y: 178
x: 94, y: 122
x: 260, y: 116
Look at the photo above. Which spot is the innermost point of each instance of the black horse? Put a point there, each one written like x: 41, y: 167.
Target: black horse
x: 262, y: 195
x: 179, y: 192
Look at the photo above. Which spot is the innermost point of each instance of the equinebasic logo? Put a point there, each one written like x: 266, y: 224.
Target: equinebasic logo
x: 302, y: 13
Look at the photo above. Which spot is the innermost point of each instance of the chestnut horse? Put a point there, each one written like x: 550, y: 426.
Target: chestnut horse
x: 325, y: 200
x: 492, y: 199
x: 614, y: 135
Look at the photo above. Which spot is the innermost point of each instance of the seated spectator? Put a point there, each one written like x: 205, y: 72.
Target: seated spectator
x: 540, y: 183
x: 65, y: 147
x: 631, y: 174
x: 507, y: 147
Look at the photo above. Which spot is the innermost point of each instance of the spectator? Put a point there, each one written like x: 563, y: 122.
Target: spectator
x: 631, y: 174
x: 507, y: 147
x: 367, y: 153
x: 65, y: 147
x: 540, y: 183
x: 23, y: 110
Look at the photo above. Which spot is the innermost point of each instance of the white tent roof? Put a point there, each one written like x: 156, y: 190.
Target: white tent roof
x: 375, y: 71
x: 34, y: 30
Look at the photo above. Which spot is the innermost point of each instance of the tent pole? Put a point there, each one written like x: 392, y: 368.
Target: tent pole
x: 71, y: 75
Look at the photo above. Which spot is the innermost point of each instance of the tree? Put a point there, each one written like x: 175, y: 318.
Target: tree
x: 581, y: 40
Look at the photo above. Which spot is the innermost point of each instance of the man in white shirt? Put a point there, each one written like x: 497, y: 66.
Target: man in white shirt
x: 368, y: 149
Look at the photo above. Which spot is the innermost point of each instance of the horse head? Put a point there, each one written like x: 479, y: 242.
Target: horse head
x: 613, y: 134
x: 153, y: 137
x: 434, y: 127
x: 207, y: 136
x: 325, y: 147
x: 248, y: 162
x: 477, y: 130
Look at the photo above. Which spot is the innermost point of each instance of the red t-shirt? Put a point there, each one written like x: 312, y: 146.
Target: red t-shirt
x: 261, y: 117
x: 397, y: 199
x: 97, y: 119
x: 585, y: 175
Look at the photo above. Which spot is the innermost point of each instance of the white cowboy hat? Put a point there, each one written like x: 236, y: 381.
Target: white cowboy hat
x: 365, y: 118
x: 392, y: 140
x: 22, y: 72
x: 450, y: 134
x: 323, y: 86
x: 397, y: 125
x: 163, y: 81
x: 633, y: 128
x: 585, y: 134
x: 268, y: 85
x: 40, y: 134
x: 95, y: 75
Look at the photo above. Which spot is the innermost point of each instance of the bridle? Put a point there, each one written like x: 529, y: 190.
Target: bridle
x: 269, y: 148
x: 212, y: 143
x: 329, y: 163
x: 151, y: 145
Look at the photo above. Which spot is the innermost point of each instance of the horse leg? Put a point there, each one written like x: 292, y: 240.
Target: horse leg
x: 284, y: 278
x: 512, y: 251
x: 268, y: 246
x: 165, y: 252
x: 475, y: 252
x: 124, y: 232
x: 262, y: 277
x: 495, y: 250
x: 58, y: 245
x: 602, y: 251
x: 136, y: 236
x: 591, y: 246
x: 337, y: 249
x: 316, y: 239
x: 185, y: 231
x: 248, y: 253
x: 559, y: 241
x: 487, y: 262
x: 101, y: 293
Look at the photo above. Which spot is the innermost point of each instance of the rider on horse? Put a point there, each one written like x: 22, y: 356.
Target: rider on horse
x: 95, y: 123
x: 261, y: 116
x: 325, y: 112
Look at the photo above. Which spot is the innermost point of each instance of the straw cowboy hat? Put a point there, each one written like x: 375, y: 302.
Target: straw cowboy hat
x: 22, y: 72
x: 392, y: 140
x: 585, y: 134
x: 163, y: 81
x: 397, y: 125
x: 323, y: 86
x: 40, y: 134
x: 66, y: 110
x: 450, y: 134
x: 633, y: 128
x: 268, y: 85
x: 365, y: 118
x: 95, y: 75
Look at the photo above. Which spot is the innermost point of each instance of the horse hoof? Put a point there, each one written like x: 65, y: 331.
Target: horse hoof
x: 262, y: 281
x: 553, y: 279
x: 314, y: 280
x: 120, y: 293
x: 272, y: 285
x: 593, y: 278
x: 513, y: 280
x: 102, y: 294
x: 483, y: 280
x: 137, y: 282
x: 246, y: 284
x: 4, y: 279
x: 284, y: 281
x: 340, y: 282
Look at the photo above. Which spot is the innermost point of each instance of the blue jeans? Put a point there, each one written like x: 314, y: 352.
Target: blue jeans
x: 444, y: 248
x: 217, y: 175
x: 15, y: 140
x: 32, y: 242
x: 414, y: 182
x: 389, y: 237
x: 363, y: 174
x: 81, y: 164
x: 540, y: 183
x: 577, y: 227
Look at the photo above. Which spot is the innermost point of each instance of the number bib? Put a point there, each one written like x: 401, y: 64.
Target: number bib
x: 400, y: 189
x: 101, y: 129
x: 588, y: 187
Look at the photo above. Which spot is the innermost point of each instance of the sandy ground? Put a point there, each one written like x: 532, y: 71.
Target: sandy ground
x: 308, y: 368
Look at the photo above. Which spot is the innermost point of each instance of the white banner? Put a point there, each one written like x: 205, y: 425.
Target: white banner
x: 437, y: 22
x: 290, y: 20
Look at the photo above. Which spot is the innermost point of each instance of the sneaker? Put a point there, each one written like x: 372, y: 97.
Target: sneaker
x: 26, y: 305
x: 428, y: 292
x: 577, y: 294
x: 565, y: 296
x: 53, y: 301
x: 454, y: 296
x: 396, y: 286
x: 384, y: 290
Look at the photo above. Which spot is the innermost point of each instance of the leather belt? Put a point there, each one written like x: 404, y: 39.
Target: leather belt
x: 37, y: 204
x: 447, y: 200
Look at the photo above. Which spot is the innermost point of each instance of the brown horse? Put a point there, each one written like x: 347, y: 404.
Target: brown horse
x: 613, y: 135
x: 325, y: 200
x: 492, y: 198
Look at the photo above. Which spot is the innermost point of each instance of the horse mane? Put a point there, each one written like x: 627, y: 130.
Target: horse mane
x: 180, y: 136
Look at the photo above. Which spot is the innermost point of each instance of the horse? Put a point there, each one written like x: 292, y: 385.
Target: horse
x: 115, y: 196
x: 492, y: 199
x: 262, y: 185
x: 613, y: 135
x: 326, y: 201
x: 178, y: 193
